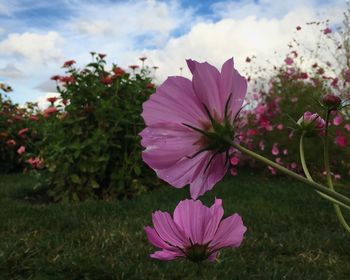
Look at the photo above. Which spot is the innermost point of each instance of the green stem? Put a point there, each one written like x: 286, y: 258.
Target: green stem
x: 308, y: 175
x: 337, y: 196
x: 337, y: 209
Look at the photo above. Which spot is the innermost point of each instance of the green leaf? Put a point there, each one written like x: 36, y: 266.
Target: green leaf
x: 75, y: 179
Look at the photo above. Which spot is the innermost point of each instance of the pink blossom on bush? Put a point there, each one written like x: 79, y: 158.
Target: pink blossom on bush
x: 21, y: 150
x: 195, y: 232
x: 289, y: 61
x: 337, y: 120
x: 347, y: 127
x: 341, y: 141
x: 22, y: 132
x: 36, y: 162
x: 275, y: 151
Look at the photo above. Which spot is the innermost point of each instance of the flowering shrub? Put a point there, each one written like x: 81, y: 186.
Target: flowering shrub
x: 18, y: 133
x: 270, y: 126
x: 90, y: 146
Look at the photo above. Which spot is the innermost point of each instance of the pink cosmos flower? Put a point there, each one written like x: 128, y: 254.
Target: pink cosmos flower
x: 184, y: 121
x: 347, y: 127
x: 195, y: 232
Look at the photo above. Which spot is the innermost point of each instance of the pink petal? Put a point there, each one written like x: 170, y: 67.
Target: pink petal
x: 181, y: 173
x: 155, y: 239
x: 232, y: 82
x: 204, y: 180
x: 192, y: 216
x: 168, y: 230
x: 166, y: 255
x: 174, y: 102
x: 167, y: 144
x: 216, y: 212
x: 206, y: 79
x: 213, y: 257
x: 229, y: 234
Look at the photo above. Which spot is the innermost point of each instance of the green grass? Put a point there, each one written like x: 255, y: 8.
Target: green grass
x: 292, y: 234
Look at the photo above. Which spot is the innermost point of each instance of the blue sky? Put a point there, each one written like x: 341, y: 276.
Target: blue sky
x: 37, y: 36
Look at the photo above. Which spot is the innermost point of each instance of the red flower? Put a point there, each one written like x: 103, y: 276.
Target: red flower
x: 102, y: 55
x: 68, y: 63
x: 68, y: 79
x: 133, y: 67
x: 65, y: 102
x: 11, y: 142
x: 108, y: 80
x: 303, y: 75
x: 248, y: 59
x: 298, y: 28
x: 55, y: 77
x: 52, y: 99
x: 118, y: 72
x: 150, y: 86
x: 327, y: 31
x: 36, y: 163
x: 143, y: 58
x: 34, y: 118
x: 22, y: 132
x: 50, y: 111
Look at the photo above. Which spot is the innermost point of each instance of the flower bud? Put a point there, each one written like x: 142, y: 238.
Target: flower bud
x: 331, y: 101
x: 311, y: 123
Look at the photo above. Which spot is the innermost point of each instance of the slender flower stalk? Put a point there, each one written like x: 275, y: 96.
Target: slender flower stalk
x: 337, y: 209
x: 335, y: 195
x: 308, y: 175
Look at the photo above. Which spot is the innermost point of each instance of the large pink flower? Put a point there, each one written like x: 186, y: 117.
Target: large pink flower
x: 186, y: 121
x: 195, y: 231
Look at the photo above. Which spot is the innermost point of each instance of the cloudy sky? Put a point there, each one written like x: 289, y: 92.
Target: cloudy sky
x: 37, y: 36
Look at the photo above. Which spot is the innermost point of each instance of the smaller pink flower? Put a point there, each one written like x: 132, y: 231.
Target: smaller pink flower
x: 341, y: 141
x: 327, y: 31
x: 21, y: 150
x: 293, y: 165
x: 337, y: 120
x: 272, y: 170
x: 289, y: 61
x: 234, y: 171
x: 36, y: 162
x: 262, y: 145
x: 194, y: 232
x: 347, y: 127
x: 285, y: 152
x: 337, y: 176
x: 234, y: 160
x: 275, y: 151
x: 280, y: 126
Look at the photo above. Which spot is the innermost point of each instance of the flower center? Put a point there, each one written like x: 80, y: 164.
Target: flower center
x: 197, y: 253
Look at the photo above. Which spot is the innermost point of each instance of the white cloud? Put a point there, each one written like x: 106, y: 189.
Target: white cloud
x: 266, y: 38
x: 34, y: 47
x: 11, y: 71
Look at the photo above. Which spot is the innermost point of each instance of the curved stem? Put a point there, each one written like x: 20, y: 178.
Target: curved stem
x: 337, y: 209
x: 308, y: 175
x: 337, y: 196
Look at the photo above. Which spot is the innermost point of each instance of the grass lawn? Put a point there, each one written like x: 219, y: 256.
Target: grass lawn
x: 292, y: 234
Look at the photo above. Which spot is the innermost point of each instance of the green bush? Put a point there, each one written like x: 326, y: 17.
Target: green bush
x: 90, y: 141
